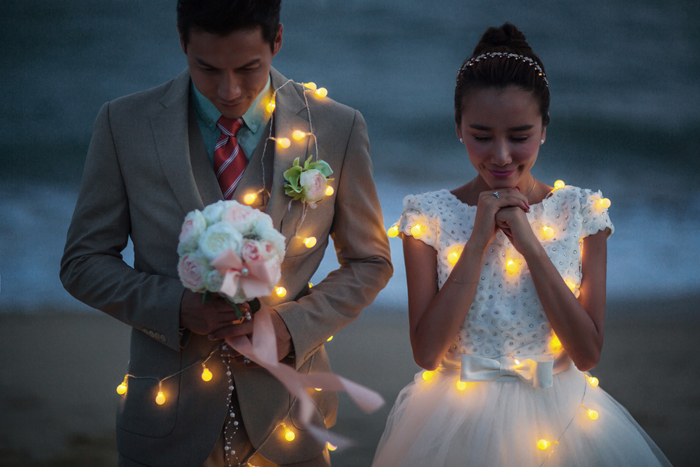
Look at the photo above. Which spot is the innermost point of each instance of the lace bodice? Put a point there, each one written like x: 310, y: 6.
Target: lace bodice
x: 506, y: 316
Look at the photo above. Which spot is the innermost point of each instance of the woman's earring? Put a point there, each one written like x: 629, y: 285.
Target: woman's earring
x: 541, y: 141
x: 461, y: 140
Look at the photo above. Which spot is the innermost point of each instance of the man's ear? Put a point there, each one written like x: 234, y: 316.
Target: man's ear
x: 183, y: 46
x: 277, y: 44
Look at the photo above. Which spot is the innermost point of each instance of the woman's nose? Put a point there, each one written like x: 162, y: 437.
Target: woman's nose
x: 500, y: 154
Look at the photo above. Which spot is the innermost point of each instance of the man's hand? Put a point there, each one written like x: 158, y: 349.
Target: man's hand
x: 204, y: 318
x: 217, y: 320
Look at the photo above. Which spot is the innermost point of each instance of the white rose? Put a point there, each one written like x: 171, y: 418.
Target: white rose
x: 273, y: 236
x: 313, y: 184
x: 213, y: 212
x: 193, y: 226
x: 218, y: 238
x: 191, y: 271
x: 213, y: 281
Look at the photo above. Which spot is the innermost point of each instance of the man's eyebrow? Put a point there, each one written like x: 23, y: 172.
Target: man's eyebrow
x: 203, y: 63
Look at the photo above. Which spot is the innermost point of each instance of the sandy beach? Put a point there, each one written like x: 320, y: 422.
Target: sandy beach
x: 60, y: 371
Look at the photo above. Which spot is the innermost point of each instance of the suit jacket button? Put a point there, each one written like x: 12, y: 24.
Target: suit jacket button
x: 157, y: 336
x: 151, y: 333
x: 163, y: 339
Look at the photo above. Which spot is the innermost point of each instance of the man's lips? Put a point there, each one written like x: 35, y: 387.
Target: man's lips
x: 501, y: 173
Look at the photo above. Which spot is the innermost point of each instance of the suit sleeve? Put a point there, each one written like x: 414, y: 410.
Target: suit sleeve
x: 92, y: 269
x: 362, y: 249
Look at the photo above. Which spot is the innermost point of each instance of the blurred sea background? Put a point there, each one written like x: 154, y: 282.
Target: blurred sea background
x: 625, y: 115
x: 625, y: 119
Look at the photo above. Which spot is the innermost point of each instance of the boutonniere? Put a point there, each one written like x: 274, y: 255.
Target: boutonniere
x: 309, y: 182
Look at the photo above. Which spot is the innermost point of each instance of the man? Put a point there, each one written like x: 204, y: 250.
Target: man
x: 154, y: 157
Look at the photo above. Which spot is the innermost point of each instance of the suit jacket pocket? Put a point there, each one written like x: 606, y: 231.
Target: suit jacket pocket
x: 149, y: 407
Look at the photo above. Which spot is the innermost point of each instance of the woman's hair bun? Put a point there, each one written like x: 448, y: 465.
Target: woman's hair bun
x: 507, y: 38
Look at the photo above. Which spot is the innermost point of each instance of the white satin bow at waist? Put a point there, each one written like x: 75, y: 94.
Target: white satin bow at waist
x: 536, y: 372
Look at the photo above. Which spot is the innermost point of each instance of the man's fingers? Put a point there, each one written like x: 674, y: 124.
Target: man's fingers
x: 232, y: 330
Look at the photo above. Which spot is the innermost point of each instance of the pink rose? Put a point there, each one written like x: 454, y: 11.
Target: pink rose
x: 269, y: 249
x: 192, y: 228
x: 313, y: 185
x: 241, y: 217
x: 251, y: 251
x: 191, y: 271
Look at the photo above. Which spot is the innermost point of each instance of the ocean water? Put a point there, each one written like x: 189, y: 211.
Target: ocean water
x: 625, y: 115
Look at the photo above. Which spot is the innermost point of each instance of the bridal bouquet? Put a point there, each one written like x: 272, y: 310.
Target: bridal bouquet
x: 232, y: 250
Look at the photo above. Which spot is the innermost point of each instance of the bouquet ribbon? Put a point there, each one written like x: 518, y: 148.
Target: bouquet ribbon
x: 254, y: 277
x: 261, y: 348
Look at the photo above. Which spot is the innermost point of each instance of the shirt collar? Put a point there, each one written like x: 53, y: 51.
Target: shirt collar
x: 210, y: 114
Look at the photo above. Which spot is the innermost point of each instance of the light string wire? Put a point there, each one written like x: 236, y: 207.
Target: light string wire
x: 161, y: 380
x: 585, y: 388
x: 270, y: 137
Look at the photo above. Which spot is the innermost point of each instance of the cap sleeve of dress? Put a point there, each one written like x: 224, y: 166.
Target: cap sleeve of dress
x: 419, y: 219
x: 594, y: 213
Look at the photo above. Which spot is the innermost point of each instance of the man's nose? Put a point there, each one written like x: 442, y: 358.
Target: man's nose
x: 229, y: 87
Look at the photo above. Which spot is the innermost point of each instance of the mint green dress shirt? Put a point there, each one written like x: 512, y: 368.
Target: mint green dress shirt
x: 255, y: 119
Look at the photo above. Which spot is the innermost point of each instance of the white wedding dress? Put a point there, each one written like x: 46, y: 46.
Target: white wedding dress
x: 529, y: 395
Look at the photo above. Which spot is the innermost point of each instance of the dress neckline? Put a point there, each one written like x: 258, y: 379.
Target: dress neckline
x: 471, y: 206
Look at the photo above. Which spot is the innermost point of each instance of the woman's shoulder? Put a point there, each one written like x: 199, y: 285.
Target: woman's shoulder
x: 589, y: 208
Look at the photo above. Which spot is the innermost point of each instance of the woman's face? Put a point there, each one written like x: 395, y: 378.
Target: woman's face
x: 502, y: 130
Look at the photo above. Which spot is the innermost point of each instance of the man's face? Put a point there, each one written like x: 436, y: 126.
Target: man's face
x: 230, y: 70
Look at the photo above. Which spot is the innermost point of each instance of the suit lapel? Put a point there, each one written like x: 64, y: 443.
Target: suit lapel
x: 290, y: 113
x: 170, y: 131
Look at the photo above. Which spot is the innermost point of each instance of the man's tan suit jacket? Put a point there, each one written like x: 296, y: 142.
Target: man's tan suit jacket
x: 146, y: 168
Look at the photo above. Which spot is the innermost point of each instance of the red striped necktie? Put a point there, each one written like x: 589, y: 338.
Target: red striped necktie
x: 229, y: 160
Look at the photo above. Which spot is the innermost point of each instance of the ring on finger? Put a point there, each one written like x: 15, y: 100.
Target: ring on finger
x: 495, y: 193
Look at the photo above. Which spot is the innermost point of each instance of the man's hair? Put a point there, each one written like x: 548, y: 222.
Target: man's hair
x: 223, y: 17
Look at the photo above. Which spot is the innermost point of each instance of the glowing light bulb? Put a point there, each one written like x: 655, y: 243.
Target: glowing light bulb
x: 454, y: 255
x: 250, y: 198
x: 322, y: 92
x: 289, y: 434
x: 298, y: 135
x: 329, y: 190
x: 311, y: 86
x: 318, y: 389
x: 559, y: 184
x: 270, y: 107
x: 428, y: 375
x: 548, y: 232
x: 461, y: 385
x: 393, y: 231
x: 570, y: 284
x: 517, y: 362
x: 593, y: 381
x: 206, y: 374
x: 121, y: 389
x: 310, y: 242
x: 604, y: 203
x: 511, y: 266
x: 592, y: 414
x: 416, y: 230
x: 160, y: 398
x: 555, y: 343
x: 331, y: 447
x: 542, y: 444
x: 284, y: 143
x: 280, y: 292
x: 329, y: 339
x: 311, y: 284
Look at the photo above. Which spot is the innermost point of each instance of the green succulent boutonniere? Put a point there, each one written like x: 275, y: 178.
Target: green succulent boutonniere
x: 309, y: 182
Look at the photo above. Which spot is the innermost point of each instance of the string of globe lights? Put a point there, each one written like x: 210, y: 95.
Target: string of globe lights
x: 512, y: 266
x: 309, y: 242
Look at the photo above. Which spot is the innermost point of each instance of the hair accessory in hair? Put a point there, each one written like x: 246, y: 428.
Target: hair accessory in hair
x: 489, y: 55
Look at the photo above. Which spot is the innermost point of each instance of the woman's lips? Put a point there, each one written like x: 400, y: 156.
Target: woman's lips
x: 501, y: 173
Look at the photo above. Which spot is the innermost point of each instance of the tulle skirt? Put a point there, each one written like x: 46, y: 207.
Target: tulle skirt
x: 509, y: 423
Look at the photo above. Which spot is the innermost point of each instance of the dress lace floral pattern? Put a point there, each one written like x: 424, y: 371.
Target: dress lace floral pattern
x: 506, y: 317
